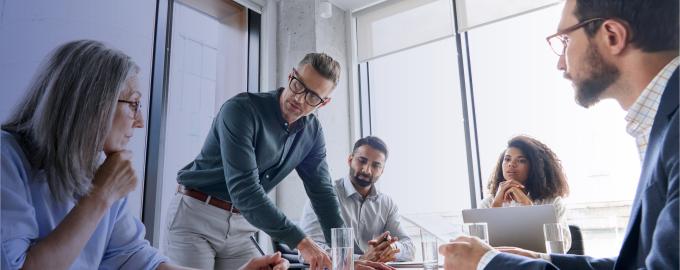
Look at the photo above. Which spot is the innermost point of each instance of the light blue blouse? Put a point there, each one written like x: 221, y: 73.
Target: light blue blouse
x: 29, y: 213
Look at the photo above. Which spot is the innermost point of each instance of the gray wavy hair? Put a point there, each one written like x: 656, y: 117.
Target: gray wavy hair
x: 64, y: 118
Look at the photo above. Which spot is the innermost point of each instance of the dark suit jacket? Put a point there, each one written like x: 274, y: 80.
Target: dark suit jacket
x: 651, y: 240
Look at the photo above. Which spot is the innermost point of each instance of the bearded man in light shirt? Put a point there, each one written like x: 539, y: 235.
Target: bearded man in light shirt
x: 372, y: 214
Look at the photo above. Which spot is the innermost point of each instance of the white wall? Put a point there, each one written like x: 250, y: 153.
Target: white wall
x: 335, y: 117
x: 30, y: 29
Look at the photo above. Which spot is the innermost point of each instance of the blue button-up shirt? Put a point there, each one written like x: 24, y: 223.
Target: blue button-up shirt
x: 30, y: 212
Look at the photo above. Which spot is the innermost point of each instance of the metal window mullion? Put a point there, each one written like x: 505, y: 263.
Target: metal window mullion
x: 254, y: 39
x: 365, y: 111
x: 469, y: 123
x: 153, y: 183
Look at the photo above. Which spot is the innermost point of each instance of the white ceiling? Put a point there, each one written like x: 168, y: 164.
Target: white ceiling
x: 352, y: 5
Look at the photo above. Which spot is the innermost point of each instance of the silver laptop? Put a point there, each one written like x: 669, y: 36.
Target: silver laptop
x: 520, y: 226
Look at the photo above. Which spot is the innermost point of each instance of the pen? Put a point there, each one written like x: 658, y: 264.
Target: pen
x: 252, y: 238
x: 386, y: 238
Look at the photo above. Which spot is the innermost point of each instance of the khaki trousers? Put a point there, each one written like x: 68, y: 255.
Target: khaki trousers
x: 203, y: 236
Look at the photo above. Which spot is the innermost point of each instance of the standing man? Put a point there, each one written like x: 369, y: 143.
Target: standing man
x: 626, y: 50
x: 255, y: 141
x: 372, y: 214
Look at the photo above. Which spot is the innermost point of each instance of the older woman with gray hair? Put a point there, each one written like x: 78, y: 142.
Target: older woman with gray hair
x: 66, y: 172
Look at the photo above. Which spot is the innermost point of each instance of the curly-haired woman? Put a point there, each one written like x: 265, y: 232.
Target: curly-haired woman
x: 529, y: 173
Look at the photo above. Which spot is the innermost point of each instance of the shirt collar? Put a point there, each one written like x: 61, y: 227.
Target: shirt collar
x: 350, y: 190
x: 640, y: 116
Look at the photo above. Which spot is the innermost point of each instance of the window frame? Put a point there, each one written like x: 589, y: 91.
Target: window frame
x: 467, y: 103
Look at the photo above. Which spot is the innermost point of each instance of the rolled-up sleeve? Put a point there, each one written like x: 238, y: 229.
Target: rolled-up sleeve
x: 393, y: 225
x: 127, y: 248
x: 19, y: 224
x: 235, y: 126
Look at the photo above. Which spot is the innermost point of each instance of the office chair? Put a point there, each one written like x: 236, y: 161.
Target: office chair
x: 576, y: 241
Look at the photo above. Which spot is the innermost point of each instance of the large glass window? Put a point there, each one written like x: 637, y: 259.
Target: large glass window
x: 518, y: 90
x: 415, y: 107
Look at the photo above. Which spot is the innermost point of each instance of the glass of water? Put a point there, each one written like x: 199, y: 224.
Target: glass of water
x: 342, y: 248
x: 479, y: 230
x: 554, y: 240
x: 429, y: 247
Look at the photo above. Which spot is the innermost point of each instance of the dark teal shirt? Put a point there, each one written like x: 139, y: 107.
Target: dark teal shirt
x: 250, y: 148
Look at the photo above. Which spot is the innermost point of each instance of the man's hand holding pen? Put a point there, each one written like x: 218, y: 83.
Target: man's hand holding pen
x: 266, y: 262
x: 382, y: 248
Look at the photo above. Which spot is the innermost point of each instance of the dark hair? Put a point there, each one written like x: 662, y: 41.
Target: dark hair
x: 653, y: 24
x: 324, y: 65
x: 372, y: 141
x: 546, y: 179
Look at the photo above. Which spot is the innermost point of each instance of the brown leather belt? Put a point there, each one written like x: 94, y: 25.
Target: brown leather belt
x: 222, y: 204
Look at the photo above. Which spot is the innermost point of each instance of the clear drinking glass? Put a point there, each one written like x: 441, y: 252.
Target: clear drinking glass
x: 342, y: 248
x: 554, y: 240
x: 429, y: 247
x: 480, y: 230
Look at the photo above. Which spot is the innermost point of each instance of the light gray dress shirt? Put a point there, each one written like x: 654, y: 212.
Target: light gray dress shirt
x: 369, y: 218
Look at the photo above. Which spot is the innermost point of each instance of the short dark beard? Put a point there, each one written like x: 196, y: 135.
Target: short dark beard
x: 355, y: 179
x: 602, y: 76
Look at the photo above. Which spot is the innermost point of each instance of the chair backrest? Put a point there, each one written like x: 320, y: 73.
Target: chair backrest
x: 576, y: 241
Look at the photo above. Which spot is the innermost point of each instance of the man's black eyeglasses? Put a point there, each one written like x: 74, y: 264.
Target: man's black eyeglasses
x: 298, y: 87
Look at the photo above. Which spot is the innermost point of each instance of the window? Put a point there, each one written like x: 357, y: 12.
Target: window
x: 415, y: 107
x: 518, y: 90
x: 396, y: 25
